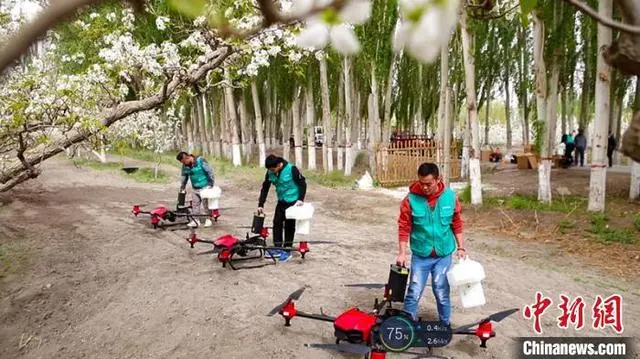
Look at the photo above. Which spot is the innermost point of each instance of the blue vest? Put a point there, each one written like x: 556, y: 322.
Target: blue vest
x: 199, y: 178
x: 431, y: 228
x: 286, y: 189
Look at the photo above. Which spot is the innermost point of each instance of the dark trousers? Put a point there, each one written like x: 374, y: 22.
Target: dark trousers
x: 610, y: 155
x: 579, y: 155
x: 281, y: 222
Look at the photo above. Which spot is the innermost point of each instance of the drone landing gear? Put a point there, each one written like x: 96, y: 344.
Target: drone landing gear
x: 260, y: 254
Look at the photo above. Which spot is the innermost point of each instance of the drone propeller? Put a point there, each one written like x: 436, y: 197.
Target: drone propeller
x: 293, y: 296
x: 495, y: 317
x: 343, y: 347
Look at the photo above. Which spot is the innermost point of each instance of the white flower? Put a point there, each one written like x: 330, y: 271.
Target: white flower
x: 199, y: 21
x: 424, y: 27
x: 274, y: 51
x: 330, y: 26
x: 161, y: 22
x: 124, y: 90
x: 111, y: 16
x: 93, y: 15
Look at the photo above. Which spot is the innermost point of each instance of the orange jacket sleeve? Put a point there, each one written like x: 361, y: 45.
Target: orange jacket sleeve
x: 404, y: 221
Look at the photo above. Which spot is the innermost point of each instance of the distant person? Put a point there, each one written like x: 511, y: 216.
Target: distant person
x: 291, y: 188
x: 196, y: 169
x: 611, y: 147
x: 496, y: 155
x: 570, y: 145
x: 581, y: 146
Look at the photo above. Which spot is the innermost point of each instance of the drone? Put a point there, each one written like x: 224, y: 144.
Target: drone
x: 230, y: 249
x: 163, y: 218
x: 386, y: 329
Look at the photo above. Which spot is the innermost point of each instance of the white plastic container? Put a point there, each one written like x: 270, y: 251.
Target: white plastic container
x: 213, y: 196
x: 302, y: 214
x: 467, y: 276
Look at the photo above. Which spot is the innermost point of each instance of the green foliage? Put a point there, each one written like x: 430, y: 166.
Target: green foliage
x: 334, y: 179
x: 143, y: 174
x: 636, y: 221
x: 565, y: 225
x: 606, y: 234
x: 190, y: 8
x: 526, y: 6
x: 537, y: 131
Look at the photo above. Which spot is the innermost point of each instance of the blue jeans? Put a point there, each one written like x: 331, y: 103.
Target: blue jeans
x: 421, y: 267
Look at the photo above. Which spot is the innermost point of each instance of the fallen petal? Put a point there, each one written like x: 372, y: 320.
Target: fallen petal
x: 344, y: 40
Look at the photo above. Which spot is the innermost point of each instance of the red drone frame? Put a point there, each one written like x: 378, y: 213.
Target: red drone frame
x: 162, y: 217
x: 364, y: 333
x: 230, y: 249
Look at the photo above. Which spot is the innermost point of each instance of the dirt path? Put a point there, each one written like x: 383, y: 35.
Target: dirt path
x: 98, y: 283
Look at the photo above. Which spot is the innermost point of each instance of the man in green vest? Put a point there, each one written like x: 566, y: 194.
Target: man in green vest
x: 430, y: 223
x: 291, y: 188
x: 201, y: 174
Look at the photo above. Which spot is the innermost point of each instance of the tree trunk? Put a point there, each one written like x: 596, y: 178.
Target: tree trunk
x: 195, y: 126
x: 224, y: 127
x: 386, y: 133
x: 563, y: 125
x: 348, y: 116
x: 186, y: 126
x: 486, y: 117
x: 442, y: 109
x: 340, y: 123
x: 215, y: 124
x: 634, y: 188
x: 311, y: 122
x: 544, y: 168
x: 327, y: 150
x: 202, y: 128
x: 446, y: 138
x: 231, y: 108
x: 244, y: 127
x: 262, y: 153
x: 286, y: 134
x: 297, y: 131
x: 552, y: 108
x: 524, y: 62
x: 208, y: 123
x: 374, y: 122
x: 599, y: 163
x: 469, y: 70
x: 507, y: 110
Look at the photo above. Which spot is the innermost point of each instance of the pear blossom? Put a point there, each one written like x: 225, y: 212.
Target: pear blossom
x: 331, y: 26
x: 424, y: 26
x: 161, y: 22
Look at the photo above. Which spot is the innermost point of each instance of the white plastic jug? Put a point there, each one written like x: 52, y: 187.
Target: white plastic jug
x: 213, y: 196
x: 467, y: 276
x: 302, y: 214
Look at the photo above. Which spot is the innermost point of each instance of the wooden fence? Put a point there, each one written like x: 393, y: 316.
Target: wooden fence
x: 397, y: 162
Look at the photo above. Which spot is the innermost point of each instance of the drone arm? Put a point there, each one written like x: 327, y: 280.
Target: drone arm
x: 322, y: 317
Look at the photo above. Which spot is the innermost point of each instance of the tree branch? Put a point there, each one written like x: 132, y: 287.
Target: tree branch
x: 586, y: 9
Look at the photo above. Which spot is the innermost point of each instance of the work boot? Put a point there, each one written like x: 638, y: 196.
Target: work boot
x: 208, y: 223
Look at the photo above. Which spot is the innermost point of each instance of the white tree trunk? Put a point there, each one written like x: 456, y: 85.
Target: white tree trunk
x: 236, y: 155
x: 262, y: 153
x: 201, y: 124
x: 340, y: 124
x: 386, y: 132
x: 244, y: 127
x: 446, y: 135
x: 544, y: 168
x: 599, y: 163
x: 224, y: 129
x: 469, y: 70
x: 348, y: 116
x: 442, y: 105
x: 552, y: 108
x: 374, y: 121
x: 327, y: 152
x: 311, y: 122
x: 297, y: 139
x: 634, y: 189
x: 286, y: 134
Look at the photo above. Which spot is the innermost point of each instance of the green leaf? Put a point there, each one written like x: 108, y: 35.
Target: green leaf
x: 525, y: 8
x: 191, y: 8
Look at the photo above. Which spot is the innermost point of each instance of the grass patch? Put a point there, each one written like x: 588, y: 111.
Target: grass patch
x: 606, y: 234
x: 144, y: 174
x: 636, y: 221
x: 566, y: 225
x: 334, y: 179
x: 12, y: 258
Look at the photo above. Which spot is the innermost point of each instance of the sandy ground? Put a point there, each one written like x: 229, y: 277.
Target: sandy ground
x: 99, y: 283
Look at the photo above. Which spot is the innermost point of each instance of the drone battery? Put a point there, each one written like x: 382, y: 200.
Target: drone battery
x: 258, y: 223
x: 182, y: 196
x: 397, y: 284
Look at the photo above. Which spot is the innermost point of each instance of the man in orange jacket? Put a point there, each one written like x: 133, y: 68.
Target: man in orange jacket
x: 430, y: 223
